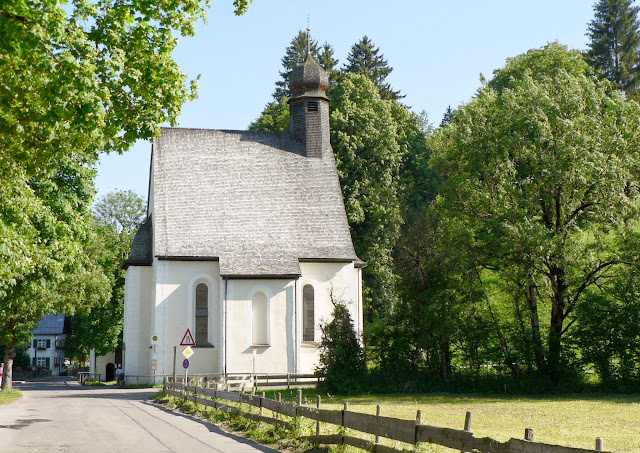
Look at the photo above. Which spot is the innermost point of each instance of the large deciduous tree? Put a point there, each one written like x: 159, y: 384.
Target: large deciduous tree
x: 540, y: 166
x: 614, y: 48
x: 117, y: 216
x: 75, y: 80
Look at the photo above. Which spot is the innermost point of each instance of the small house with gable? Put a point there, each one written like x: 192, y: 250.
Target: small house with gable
x: 246, y: 244
x: 47, y: 348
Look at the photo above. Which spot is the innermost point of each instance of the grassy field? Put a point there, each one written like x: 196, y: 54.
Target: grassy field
x: 570, y: 420
x: 7, y: 396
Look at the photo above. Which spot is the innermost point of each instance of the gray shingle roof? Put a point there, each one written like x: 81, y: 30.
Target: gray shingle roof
x: 249, y: 198
x: 141, y: 246
x: 50, y: 325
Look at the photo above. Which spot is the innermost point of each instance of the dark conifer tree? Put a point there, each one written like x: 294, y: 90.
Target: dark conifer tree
x: 447, y: 117
x: 328, y: 63
x: 615, y: 43
x: 364, y: 58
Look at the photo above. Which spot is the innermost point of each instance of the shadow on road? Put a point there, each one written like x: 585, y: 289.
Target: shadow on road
x: 215, y: 429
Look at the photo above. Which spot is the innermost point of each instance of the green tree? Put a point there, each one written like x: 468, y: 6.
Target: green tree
x: 118, y: 214
x: 537, y: 166
x: 614, y: 49
x: 274, y: 117
x: 447, y: 117
x: 295, y: 54
x: 364, y: 136
x: 364, y: 58
x: 53, y: 214
x: 76, y: 80
x: 122, y: 210
x: 342, y: 361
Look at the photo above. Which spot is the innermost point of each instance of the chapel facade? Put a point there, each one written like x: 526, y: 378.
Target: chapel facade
x: 246, y: 244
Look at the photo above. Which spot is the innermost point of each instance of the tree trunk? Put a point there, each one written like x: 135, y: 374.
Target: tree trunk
x: 558, y: 287
x: 7, y: 375
x: 445, y: 362
x: 538, y: 349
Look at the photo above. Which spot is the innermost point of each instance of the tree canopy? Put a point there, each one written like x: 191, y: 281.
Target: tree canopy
x: 117, y: 215
x: 76, y: 79
x: 364, y: 58
x: 614, y: 47
x: 538, y: 167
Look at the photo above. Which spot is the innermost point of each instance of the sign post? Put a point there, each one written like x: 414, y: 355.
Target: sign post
x: 255, y: 352
x: 187, y: 353
x: 188, y: 341
x: 185, y: 364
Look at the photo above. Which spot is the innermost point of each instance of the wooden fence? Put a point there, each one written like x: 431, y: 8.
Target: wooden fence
x: 408, y: 431
x: 248, y: 381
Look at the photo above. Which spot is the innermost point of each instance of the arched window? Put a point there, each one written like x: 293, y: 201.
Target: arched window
x: 259, y: 319
x: 202, y: 314
x: 308, y: 321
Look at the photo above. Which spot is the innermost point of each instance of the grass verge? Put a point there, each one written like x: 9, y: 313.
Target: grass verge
x: 7, y: 396
x: 567, y: 420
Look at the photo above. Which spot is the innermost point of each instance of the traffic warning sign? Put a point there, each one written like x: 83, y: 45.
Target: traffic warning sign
x: 187, y: 340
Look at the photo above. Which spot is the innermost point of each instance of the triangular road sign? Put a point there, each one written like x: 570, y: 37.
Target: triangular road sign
x: 187, y: 340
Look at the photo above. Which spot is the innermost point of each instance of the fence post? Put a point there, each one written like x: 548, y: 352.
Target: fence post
x: 599, y: 444
x: 299, y: 397
x: 467, y: 425
x: 318, y: 422
x: 467, y: 422
x: 418, y: 422
x: 288, y: 381
x: 378, y: 414
x: 261, y: 408
x: 528, y: 434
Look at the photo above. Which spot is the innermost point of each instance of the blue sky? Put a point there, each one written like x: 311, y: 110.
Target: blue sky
x: 437, y: 49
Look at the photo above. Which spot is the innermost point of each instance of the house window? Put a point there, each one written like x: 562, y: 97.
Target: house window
x: 259, y: 319
x: 42, y: 361
x: 312, y: 106
x: 202, y: 314
x: 308, y: 321
x: 41, y: 344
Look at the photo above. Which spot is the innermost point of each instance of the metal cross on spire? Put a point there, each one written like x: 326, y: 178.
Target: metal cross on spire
x: 308, y: 35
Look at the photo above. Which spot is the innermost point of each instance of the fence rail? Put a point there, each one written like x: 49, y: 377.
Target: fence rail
x: 408, y: 431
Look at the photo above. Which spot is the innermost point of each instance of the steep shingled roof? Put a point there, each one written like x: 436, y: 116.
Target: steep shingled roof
x: 248, y: 198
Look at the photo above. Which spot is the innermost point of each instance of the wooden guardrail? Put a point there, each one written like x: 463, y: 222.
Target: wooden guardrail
x: 408, y: 431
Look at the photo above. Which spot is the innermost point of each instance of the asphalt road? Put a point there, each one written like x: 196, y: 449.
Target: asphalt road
x: 59, y: 415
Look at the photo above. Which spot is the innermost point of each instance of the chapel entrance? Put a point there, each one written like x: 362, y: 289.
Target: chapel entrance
x: 110, y: 374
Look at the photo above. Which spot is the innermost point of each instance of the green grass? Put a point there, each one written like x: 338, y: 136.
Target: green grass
x: 568, y: 420
x: 6, y: 396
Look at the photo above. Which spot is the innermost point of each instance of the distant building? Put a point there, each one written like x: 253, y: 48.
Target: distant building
x: 246, y: 244
x: 48, y: 344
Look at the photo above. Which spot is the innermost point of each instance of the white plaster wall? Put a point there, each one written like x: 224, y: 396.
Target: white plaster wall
x: 175, y: 313
x: 165, y: 307
x: 137, y: 320
x: 278, y: 356
x: 101, y: 362
x: 338, y: 280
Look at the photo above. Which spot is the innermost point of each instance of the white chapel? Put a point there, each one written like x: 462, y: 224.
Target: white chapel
x: 246, y: 244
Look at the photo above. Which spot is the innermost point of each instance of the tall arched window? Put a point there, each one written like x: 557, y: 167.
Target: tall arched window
x: 308, y: 317
x: 259, y: 319
x: 202, y: 314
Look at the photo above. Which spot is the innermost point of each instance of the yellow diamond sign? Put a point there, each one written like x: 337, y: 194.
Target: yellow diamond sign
x: 188, y: 352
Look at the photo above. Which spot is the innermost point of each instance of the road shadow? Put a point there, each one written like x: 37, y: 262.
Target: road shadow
x: 215, y: 429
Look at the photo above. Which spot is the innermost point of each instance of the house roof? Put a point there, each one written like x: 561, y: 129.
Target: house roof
x: 248, y: 198
x: 51, y: 324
